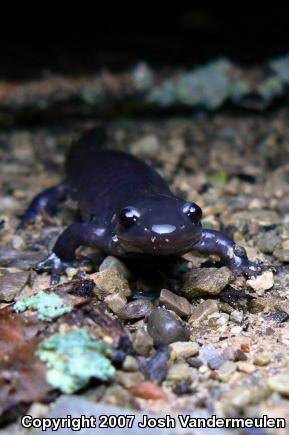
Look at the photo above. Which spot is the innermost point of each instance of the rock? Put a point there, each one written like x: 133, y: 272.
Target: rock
x: 209, y: 281
x: 116, y: 302
x: 183, y: 387
x: 184, y: 349
x: 142, y: 342
x: 179, y: 372
x: 148, y: 391
x: 281, y: 255
x: 194, y: 362
x: 262, y: 359
x: 136, y: 310
x: 129, y: 380
x: 280, y: 383
x: 111, y: 262
x: 262, y: 282
x: 110, y: 281
x: 217, y: 361
x: 246, y: 367
x: 239, y: 355
x: 279, y: 316
x: 155, y: 368
x: 236, y: 298
x: 130, y: 364
x: 118, y: 396
x: 207, y: 353
x: 11, y: 285
x: 268, y: 242
x: 23, y: 260
x: 226, y: 370
x: 202, y: 311
x: 166, y: 327
x: 237, y: 316
x: 178, y: 304
x: 147, y: 146
x: 221, y: 318
x: 282, y: 305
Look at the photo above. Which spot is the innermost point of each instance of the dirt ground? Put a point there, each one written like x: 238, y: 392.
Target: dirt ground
x: 236, y: 362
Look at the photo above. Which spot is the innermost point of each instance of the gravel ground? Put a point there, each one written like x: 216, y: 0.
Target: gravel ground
x: 202, y: 340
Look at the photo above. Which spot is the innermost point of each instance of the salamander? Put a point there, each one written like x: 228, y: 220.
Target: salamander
x: 127, y: 210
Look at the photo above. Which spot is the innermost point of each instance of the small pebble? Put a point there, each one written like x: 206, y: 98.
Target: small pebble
x: 129, y: 380
x: 111, y: 262
x: 142, y: 342
x: 282, y: 255
x: 155, y: 368
x: 206, y: 281
x: 262, y: 282
x: 130, y: 364
x: 109, y: 281
x: 116, y: 302
x: 179, y: 371
x: 148, y: 391
x: 280, y: 383
x: 166, y: 327
x: 226, y: 370
x: 237, y: 316
x: 217, y: 361
x: 183, y: 387
x: 262, y: 359
x: 136, y: 310
x: 178, y: 304
x: 201, y: 312
x: 194, y: 362
x: 11, y: 285
x: 246, y: 367
x: 278, y: 316
x: 184, y: 349
x: 239, y: 355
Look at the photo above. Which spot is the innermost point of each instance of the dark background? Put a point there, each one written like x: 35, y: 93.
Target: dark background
x: 86, y: 37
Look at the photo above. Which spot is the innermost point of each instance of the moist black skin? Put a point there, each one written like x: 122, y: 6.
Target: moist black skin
x: 128, y: 211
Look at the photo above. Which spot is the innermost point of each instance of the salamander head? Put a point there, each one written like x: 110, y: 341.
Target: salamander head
x: 159, y: 225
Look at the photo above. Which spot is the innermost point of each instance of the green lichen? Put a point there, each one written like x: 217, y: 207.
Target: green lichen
x: 270, y: 88
x: 48, y: 305
x: 219, y: 178
x: 280, y: 66
x: 73, y: 358
x: 208, y: 86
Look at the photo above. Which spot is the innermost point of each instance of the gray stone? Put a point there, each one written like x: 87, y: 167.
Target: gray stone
x: 206, y: 281
x: 136, y: 310
x: 268, y: 242
x: 202, y: 311
x: 282, y: 255
x: 185, y: 349
x: 111, y: 262
x: 129, y: 380
x: 11, y: 285
x: 110, y: 281
x: 115, y: 301
x: 280, y: 383
x: 166, y: 327
x: 178, y: 304
x: 142, y: 342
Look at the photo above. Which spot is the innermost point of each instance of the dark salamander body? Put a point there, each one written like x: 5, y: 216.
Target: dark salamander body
x: 128, y: 210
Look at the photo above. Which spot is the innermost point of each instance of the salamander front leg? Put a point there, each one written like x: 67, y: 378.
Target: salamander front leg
x: 63, y: 253
x: 45, y: 203
x: 217, y: 243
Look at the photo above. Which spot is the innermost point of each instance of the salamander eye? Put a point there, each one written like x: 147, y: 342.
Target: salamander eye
x: 193, y: 211
x: 128, y: 216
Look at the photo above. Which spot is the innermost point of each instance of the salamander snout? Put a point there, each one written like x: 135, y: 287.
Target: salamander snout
x: 161, y: 226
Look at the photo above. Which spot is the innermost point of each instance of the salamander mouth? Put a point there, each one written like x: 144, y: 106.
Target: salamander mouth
x: 163, y: 246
